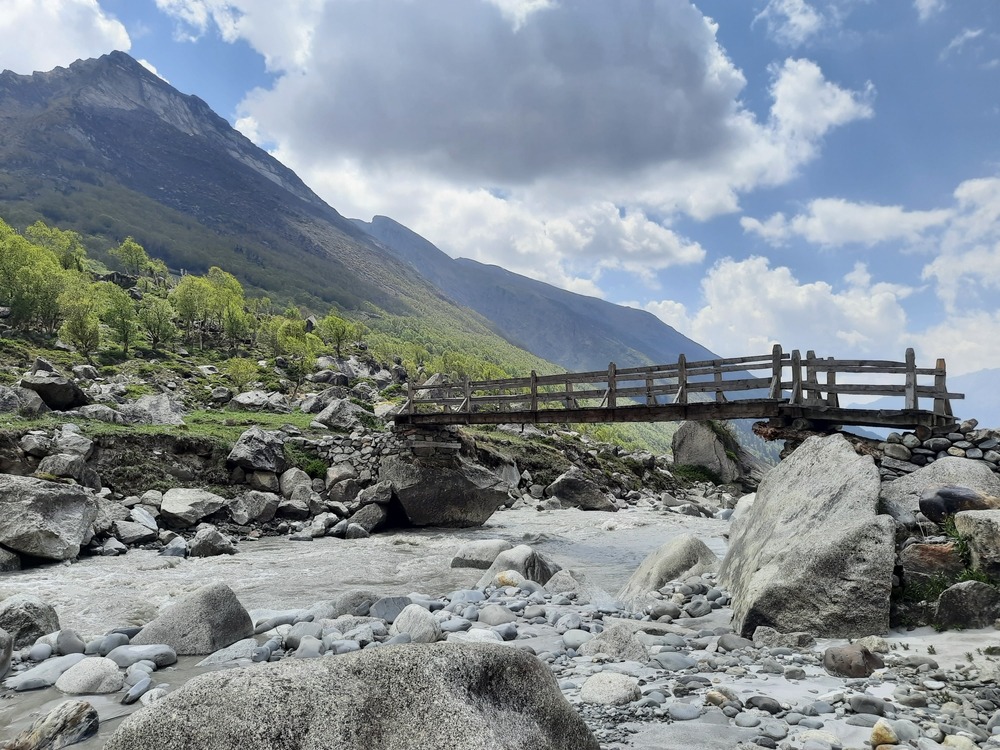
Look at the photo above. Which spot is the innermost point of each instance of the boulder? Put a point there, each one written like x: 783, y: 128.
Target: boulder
x: 159, y: 408
x: 186, y: 506
x: 9, y: 401
x: 922, y: 563
x: 130, y: 532
x: 813, y: 554
x: 531, y: 564
x: 573, y: 489
x: 58, y: 393
x: 261, y: 401
x: 413, y: 697
x: 67, y: 724
x: 254, y: 507
x: 292, y: 478
x: 317, y: 402
x: 418, y: 623
x: 258, y: 450
x: 6, y: 652
x: 479, y: 553
x: 25, y: 618
x: 981, y: 531
x: 900, y: 498
x: 343, y: 415
x: 371, y: 517
x: 852, y: 660
x: 71, y: 441
x: 103, y: 413
x: 201, y: 623
x: 970, y: 604
x: 610, y: 689
x: 697, y: 444
x: 209, y: 543
x: 681, y: 557
x: 439, y: 493
x: 44, y: 519
x: 939, y: 502
x: 94, y: 675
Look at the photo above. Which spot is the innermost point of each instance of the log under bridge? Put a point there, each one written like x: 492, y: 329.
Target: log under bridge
x: 786, y: 388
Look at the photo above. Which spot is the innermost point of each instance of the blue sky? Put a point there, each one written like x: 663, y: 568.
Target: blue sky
x: 821, y: 174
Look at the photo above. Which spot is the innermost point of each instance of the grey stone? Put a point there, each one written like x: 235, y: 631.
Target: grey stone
x: 158, y: 408
x: 44, y: 519
x: 496, y: 614
x: 69, y: 642
x: 292, y: 478
x: 573, y: 489
x: 479, y: 553
x: 619, y: 640
x: 258, y: 450
x: 6, y: 652
x: 610, y: 689
x: 44, y: 675
x: 201, y: 623
x: 477, y: 697
x: 254, y: 507
x: 26, y: 618
x: 852, y: 660
x: 343, y: 415
x: 129, y: 532
x: 981, y: 531
x: 812, y: 554
x: 160, y: 654
x: 938, y: 502
x: 681, y: 557
x: 443, y: 493
x: 970, y: 604
x: 67, y: 724
x: 187, y: 506
x: 140, y: 515
x: 697, y: 444
x: 209, y: 543
x: 531, y: 564
x: 94, y: 674
x: 901, y: 497
x: 418, y: 623
x: 58, y: 393
x: 371, y: 517
x: 388, y: 608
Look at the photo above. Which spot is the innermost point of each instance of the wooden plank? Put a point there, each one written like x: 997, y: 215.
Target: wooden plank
x: 831, y: 382
x: 612, y: 386
x: 911, y: 380
x: 534, y: 391
x: 812, y: 384
x: 796, y: 377
x: 942, y: 401
x: 719, y: 396
x: 777, y: 361
x: 468, y: 395
x: 681, y: 397
x: 570, y: 398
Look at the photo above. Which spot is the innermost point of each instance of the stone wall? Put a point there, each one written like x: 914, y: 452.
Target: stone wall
x: 906, y: 452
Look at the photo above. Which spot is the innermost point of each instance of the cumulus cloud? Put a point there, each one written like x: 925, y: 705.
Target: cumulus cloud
x: 41, y: 34
x: 792, y: 22
x: 747, y: 306
x: 834, y: 222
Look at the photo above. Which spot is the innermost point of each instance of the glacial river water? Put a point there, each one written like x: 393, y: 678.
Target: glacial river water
x: 96, y: 594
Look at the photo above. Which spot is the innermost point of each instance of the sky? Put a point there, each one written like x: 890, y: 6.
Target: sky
x: 825, y: 175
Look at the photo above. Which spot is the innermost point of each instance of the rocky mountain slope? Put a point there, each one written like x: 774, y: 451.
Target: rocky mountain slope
x: 572, y: 330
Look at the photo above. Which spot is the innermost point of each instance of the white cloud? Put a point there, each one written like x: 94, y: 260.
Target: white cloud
x: 834, y: 222
x: 42, y: 34
x: 958, y: 42
x: 791, y: 22
x: 747, y: 306
x: 152, y: 69
x: 967, y: 341
x: 928, y: 8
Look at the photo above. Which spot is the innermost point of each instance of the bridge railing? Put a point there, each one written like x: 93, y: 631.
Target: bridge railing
x: 776, y: 377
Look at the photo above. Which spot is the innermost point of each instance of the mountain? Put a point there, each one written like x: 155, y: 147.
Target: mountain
x: 572, y: 330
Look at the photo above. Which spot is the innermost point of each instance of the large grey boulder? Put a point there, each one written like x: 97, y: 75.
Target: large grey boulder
x: 900, y: 498
x: 186, y: 506
x: 479, y: 553
x: 157, y: 408
x: 342, y: 415
x: 813, y: 554
x: 697, y: 444
x: 201, y: 623
x: 9, y: 401
x: 317, y: 402
x: 58, y: 393
x: 258, y: 450
x: 26, y: 618
x: 413, y: 697
x: 452, y: 493
x: 209, y: 543
x: 681, y: 557
x: 531, y: 564
x: 44, y: 519
x: 573, y: 489
x: 981, y: 531
x: 67, y: 724
x: 254, y: 506
x: 261, y: 401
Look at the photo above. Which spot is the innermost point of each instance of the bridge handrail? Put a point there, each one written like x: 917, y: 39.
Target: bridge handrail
x: 785, y: 378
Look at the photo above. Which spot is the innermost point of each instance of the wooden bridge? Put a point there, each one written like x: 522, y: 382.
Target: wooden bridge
x: 785, y: 388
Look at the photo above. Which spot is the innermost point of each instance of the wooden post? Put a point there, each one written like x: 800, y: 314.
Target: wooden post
x: 570, y: 401
x: 832, y: 399
x: 650, y: 398
x: 720, y: 397
x: 468, y: 395
x: 410, y: 407
x: 775, y: 392
x: 911, y: 381
x: 812, y: 383
x: 612, y: 386
x: 682, y: 380
x: 534, y: 391
x: 796, y: 377
x: 942, y: 405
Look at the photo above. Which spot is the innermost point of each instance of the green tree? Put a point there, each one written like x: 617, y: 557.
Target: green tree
x: 80, y: 306
x: 131, y: 255
x: 190, y: 298
x: 237, y: 325
x: 66, y: 245
x: 299, y: 349
x: 241, y: 372
x: 119, y: 314
x: 336, y: 331
x: 156, y: 320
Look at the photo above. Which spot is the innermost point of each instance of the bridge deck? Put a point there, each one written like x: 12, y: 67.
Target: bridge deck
x: 789, y: 389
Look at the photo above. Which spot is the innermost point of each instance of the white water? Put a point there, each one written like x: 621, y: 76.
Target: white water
x: 97, y: 594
